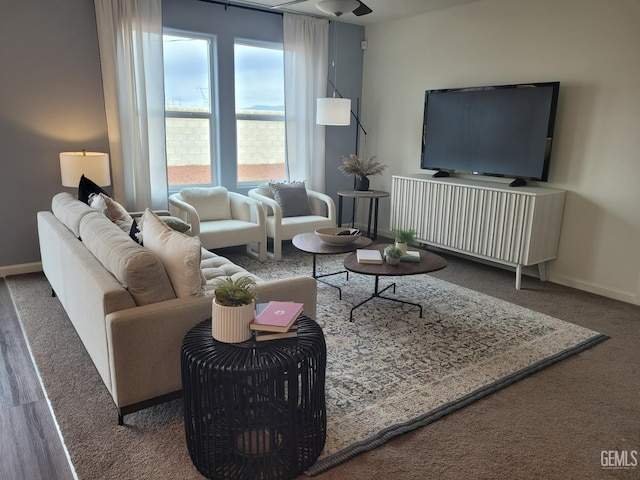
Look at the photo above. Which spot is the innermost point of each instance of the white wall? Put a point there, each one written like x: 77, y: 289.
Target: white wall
x: 591, y: 47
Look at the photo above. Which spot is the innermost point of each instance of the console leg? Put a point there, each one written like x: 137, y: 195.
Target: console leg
x: 542, y: 271
x: 518, y: 276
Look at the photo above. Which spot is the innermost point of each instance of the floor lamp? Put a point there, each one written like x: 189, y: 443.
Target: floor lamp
x: 337, y: 111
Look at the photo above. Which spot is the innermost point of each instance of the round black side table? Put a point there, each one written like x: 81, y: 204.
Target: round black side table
x: 254, y: 409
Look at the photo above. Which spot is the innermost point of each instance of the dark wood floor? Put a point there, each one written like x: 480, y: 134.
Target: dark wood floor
x: 30, y: 447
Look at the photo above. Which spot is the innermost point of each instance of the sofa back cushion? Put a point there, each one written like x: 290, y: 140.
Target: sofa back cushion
x: 180, y: 254
x: 69, y: 210
x: 136, y: 268
x: 211, y: 203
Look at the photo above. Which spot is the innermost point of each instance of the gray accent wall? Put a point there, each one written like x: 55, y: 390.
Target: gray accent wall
x: 50, y: 101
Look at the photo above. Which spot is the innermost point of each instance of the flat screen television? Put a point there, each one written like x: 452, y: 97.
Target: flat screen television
x: 503, y: 130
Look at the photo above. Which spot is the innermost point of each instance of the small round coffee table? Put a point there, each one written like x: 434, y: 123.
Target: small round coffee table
x: 310, y: 243
x: 429, y: 262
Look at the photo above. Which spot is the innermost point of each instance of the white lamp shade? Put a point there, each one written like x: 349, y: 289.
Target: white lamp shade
x: 333, y: 111
x: 337, y: 7
x: 93, y: 165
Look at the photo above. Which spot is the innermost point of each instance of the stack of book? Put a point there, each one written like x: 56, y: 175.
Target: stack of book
x: 277, y: 320
x: 369, y: 256
x: 411, y: 256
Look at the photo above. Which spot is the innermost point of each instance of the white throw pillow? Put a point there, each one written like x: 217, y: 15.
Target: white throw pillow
x: 211, y: 203
x: 179, y: 253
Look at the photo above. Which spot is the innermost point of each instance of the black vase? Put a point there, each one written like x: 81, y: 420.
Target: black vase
x: 362, y: 184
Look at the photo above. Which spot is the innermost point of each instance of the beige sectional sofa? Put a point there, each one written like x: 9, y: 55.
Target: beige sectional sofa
x: 122, y: 304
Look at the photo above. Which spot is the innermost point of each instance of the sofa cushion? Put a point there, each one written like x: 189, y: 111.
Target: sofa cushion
x: 69, y: 211
x: 86, y: 187
x: 139, y: 270
x: 211, y: 203
x: 292, y: 198
x: 215, y: 266
x: 179, y: 253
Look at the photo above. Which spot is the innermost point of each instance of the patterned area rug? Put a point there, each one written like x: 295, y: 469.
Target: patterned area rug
x: 390, y: 371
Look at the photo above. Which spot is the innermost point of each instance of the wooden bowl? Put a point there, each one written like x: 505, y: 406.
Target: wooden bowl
x: 328, y: 235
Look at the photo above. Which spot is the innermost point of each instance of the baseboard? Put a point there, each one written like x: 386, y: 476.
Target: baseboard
x: 627, y: 297
x: 20, y: 269
x: 532, y: 271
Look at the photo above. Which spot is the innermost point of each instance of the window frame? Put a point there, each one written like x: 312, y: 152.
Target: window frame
x: 252, y: 42
x: 212, y: 115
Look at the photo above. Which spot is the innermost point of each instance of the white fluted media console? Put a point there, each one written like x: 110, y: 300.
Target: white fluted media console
x: 513, y: 226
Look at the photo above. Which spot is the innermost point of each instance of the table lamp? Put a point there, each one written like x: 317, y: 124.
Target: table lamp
x: 93, y: 165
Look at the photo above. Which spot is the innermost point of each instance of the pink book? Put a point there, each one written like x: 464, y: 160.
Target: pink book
x: 277, y: 317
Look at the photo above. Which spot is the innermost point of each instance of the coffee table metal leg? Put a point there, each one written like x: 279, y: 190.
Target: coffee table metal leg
x: 319, y: 277
x: 377, y: 294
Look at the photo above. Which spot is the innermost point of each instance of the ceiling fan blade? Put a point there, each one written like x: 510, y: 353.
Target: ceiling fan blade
x: 362, y: 10
x: 287, y: 4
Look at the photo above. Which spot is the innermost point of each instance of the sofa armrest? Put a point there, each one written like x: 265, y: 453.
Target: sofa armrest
x: 144, y: 347
x: 295, y: 289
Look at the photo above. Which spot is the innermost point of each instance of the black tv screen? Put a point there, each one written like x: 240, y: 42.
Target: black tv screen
x: 504, y: 130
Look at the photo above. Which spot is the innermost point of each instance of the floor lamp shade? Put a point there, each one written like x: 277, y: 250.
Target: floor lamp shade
x: 93, y: 165
x: 333, y: 111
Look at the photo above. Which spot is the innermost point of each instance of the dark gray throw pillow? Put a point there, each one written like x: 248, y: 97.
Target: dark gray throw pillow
x: 292, y: 198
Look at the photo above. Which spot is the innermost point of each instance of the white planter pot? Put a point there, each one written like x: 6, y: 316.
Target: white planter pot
x: 402, y: 246
x: 231, y: 324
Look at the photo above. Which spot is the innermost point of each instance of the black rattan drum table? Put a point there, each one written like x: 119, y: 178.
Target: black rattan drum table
x: 254, y: 410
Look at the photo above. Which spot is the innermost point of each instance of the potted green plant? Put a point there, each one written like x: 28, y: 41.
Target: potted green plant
x: 233, y: 309
x: 356, y: 167
x: 392, y: 255
x: 404, y: 238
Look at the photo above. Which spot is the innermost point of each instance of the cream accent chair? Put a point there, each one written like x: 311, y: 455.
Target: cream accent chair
x: 281, y: 228
x: 222, y: 218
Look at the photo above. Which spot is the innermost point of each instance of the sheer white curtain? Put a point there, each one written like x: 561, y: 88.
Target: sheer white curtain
x: 130, y: 38
x: 305, y: 79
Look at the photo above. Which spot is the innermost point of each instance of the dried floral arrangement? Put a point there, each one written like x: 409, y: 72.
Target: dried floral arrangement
x: 353, y: 165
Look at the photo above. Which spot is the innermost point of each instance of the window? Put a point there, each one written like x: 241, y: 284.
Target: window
x: 190, y: 123
x: 260, y: 126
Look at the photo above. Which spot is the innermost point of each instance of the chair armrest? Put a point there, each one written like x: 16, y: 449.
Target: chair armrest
x: 317, y: 199
x: 268, y: 204
x: 192, y: 215
x: 245, y: 208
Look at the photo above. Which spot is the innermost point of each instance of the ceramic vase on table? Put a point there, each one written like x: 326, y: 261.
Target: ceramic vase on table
x: 362, y: 184
x: 231, y: 324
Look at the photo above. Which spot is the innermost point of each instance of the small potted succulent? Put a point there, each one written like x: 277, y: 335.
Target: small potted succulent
x: 392, y: 255
x: 404, y: 238
x: 361, y: 169
x: 233, y: 309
